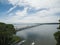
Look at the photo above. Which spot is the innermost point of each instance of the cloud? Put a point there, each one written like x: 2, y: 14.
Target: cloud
x: 4, y: 1
x: 14, y: 17
x: 45, y: 16
x: 35, y: 11
x: 11, y: 9
x: 41, y: 17
x: 36, y: 3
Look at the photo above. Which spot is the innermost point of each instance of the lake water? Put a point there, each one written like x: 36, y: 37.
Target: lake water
x: 40, y: 35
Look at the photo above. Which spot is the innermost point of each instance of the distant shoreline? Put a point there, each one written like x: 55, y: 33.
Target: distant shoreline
x: 38, y: 24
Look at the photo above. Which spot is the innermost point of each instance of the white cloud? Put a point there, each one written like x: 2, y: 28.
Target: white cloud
x: 36, y: 3
x: 14, y: 17
x: 36, y: 19
x: 11, y: 9
x: 13, y: 2
x: 39, y: 17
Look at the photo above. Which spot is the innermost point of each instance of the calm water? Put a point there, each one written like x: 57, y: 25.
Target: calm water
x: 41, y: 35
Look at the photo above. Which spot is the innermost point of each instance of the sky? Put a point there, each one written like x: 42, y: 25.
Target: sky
x: 29, y: 11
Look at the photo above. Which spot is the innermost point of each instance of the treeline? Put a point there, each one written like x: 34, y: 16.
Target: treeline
x: 57, y: 35
x: 7, y: 34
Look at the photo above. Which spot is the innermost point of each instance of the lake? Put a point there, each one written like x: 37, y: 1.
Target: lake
x: 40, y: 35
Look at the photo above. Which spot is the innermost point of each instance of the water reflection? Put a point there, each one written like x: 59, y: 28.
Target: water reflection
x: 41, y: 35
x: 57, y: 36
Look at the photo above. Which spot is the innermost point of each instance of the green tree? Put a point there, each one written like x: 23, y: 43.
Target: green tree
x: 57, y: 35
x: 7, y: 34
x: 59, y: 25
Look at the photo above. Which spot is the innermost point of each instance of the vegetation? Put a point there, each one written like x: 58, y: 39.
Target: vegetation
x: 59, y: 25
x: 7, y: 34
x: 57, y: 35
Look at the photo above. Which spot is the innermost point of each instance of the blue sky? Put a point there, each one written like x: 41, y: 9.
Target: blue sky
x: 29, y: 11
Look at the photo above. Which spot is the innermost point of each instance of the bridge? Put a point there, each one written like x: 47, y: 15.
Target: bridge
x: 38, y: 24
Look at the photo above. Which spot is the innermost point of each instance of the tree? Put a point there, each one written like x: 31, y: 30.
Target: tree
x: 7, y: 34
x: 59, y: 25
x: 57, y: 35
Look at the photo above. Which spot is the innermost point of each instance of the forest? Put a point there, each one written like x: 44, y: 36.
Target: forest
x: 8, y: 34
